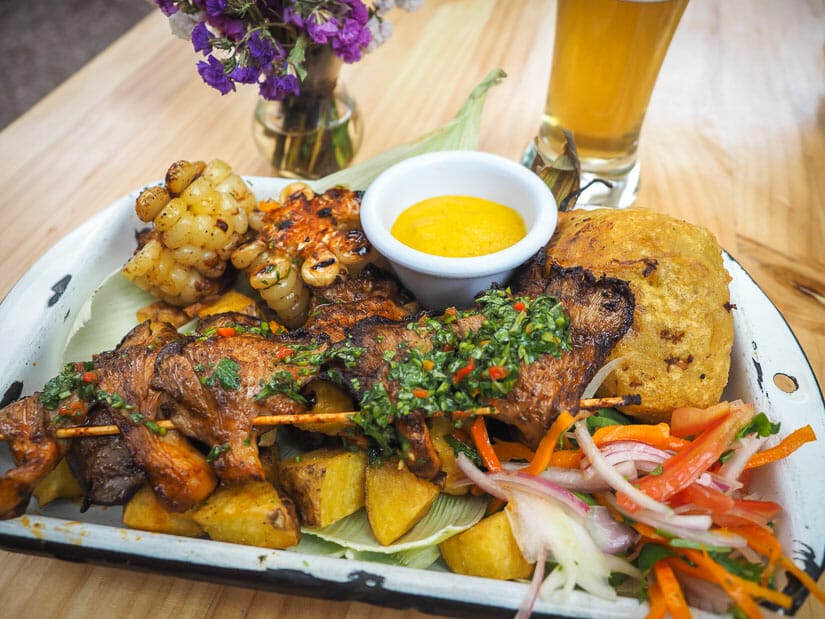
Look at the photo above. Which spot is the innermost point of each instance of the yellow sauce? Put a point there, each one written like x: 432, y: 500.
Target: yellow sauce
x: 459, y: 226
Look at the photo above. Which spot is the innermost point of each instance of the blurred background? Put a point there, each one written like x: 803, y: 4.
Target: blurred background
x: 42, y: 42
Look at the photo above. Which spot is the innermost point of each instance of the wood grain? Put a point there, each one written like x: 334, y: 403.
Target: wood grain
x: 734, y: 140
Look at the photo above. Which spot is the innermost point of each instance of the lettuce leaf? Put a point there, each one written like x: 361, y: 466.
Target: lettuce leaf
x: 447, y: 516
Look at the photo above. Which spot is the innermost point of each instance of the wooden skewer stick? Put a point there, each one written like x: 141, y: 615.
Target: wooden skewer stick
x: 612, y: 402
x: 264, y: 420
x: 314, y: 418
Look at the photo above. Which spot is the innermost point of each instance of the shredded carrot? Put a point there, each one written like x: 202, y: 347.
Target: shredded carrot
x: 656, y: 435
x: 671, y: 591
x: 566, y: 459
x: 658, y: 608
x: 789, y: 444
x: 647, y: 531
x: 509, y: 450
x: 548, y: 443
x: 751, y: 588
x: 730, y: 583
x: 766, y: 544
x: 482, y: 441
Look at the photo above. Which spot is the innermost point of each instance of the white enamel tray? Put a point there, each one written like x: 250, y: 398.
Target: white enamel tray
x: 36, y: 317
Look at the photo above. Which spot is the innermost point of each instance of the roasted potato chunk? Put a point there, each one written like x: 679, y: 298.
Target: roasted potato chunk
x: 60, y: 483
x: 396, y: 500
x: 145, y: 512
x: 486, y: 549
x: 439, y: 429
x: 230, y: 301
x: 326, y: 484
x: 329, y: 398
x: 677, y: 352
x: 250, y: 513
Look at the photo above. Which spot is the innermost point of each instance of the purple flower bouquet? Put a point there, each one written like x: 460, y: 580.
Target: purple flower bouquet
x: 292, y: 50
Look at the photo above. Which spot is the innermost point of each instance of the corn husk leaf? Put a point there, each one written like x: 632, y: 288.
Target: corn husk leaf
x: 461, y: 133
x: 562, y: 175
x: 107, y: 316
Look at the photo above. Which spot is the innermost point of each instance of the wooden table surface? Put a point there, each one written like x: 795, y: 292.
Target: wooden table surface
x: 734, y: 140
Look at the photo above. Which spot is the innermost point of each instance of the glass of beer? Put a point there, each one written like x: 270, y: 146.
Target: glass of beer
x: 606, y: 57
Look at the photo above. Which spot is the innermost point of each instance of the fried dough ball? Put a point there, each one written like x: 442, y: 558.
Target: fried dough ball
x: 199, y: 216
x: 303, y: 239
x: 677, y: 352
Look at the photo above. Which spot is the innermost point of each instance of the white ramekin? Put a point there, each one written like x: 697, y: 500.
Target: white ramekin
x: 437, y: 281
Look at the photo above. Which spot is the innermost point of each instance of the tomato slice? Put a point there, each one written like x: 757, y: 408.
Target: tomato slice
x: 684, y: 468
x: 725, y: 510
x: 705, y: 498
x: 690, y: 421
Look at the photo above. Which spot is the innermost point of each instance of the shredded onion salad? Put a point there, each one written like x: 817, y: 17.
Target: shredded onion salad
x: 660, y: 511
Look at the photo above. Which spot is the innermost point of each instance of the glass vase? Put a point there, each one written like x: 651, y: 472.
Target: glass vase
x: 314, y: 133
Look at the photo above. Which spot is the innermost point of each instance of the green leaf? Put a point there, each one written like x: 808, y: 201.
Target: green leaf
x: 297, y: 57
x: 461, y: 133
x: 652, y: 554
x: 605, y: 417
x: 226, y: 374
x: 759, y: 425
x: 447, y: 516
x: 108, y: 315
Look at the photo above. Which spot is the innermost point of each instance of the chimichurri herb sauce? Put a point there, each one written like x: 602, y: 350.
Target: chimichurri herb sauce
x: 461, y: 374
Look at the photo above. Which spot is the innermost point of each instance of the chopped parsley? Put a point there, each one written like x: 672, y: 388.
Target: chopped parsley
x: 70, y: 380
x: 225, y: 374
x: 463, y: 371
x: 216, y: 451
x: 282, y: 382
x: 759, y: 425
x: 460, y: 447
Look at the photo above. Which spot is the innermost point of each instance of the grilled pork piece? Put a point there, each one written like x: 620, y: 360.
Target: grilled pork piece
x: 27, y: 428
x: 103, y: 465
x: 373, y: 293
x: 177, y: 472
x: 601, y: 312
x: 216, y: 384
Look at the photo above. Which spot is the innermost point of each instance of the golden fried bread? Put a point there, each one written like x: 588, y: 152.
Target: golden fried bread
x: 677, y: 352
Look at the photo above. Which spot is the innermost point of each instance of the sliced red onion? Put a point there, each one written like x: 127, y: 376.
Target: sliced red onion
x: 704, y: 595
x: 615, y: 479
x: 713, y: 480
x: 529, y: 601
x: 692, y: 527
x: 743, y: 449
x: 598, y: 378
x: 541, y: 487
x: 621, y: 565
x: 610, y: 535
x: 536, y: 521
x: 479, y: 478
x: 557, y: 580
x: 581, y: 480
x: 647, y: 466
x: 621, y: 451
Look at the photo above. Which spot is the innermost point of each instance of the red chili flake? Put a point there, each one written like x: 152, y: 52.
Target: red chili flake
x: 226, y: 331
x: 89, y: 377
x: 519, y: 306
x: 465, y: 371
x: 283, y: 352
x: 420, y: 393
x: 497, y: 372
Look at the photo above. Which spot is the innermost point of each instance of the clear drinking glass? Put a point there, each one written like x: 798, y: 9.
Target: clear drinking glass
x: 606, y: 58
